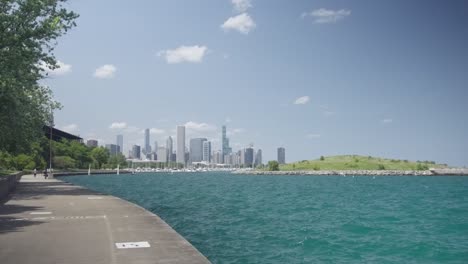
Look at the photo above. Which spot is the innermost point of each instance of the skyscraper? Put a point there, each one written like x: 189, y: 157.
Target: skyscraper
x: 258, y: 158
x: 181, y: 144
x: 156, y: 146
x: 113, y: 149
x: 147, y: 148
x: 92, y: 143
x: 196, y: 149
x: 225, y: 144
x: 162, y: 154
x: 281, y: 155
x: 249, y: 157
x: 207, y: 151
x: 169, y: 149
x: 120, y: 142
x: 136, y: 152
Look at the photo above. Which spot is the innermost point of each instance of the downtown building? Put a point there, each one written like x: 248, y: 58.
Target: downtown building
x: 196, y: 149
x: 180, y: 157
x: 207, y: 151
x: 161, y: 154
x: 147, y: 147
x: 169, y: 149
x: 248, y: 157
x: 92, y: 143
x: 225, y: 150
x: 281, y: 155
x: 119, y: 141
x: 136, y: 150
x: 113, y: 149
x: 258, y: 158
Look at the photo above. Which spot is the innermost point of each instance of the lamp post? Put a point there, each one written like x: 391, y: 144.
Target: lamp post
x: 50, y: 140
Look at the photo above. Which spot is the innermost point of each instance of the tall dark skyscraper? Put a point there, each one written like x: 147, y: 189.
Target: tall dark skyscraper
x: 225, y: 144
x: 136, y: 152
x: 120, y: 142
x: 147, y: 148
x: 281, y: 155
x: 248, y: 157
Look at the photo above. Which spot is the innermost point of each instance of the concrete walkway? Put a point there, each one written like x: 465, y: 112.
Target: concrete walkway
x: 49, y: 221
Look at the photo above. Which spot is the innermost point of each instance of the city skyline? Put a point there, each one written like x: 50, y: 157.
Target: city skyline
x: 199, y: 150
x: 377, y: 79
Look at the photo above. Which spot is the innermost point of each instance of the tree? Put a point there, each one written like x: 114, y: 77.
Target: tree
x: 64, y: 162
x: 23, y: 161
x: 322, y: 158
x: 28, y: 33
x: 117, y: 159
x: 100, y: 155
x: 273, y: 165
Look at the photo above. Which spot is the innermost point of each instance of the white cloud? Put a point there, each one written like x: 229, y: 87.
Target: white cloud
x: 118, y: 125
x: 323, y: 16
x: 105, y: 72
x: 313, y: 135
x: 241, y: 5
x: 62, y: 68
x: 387, y: 120
x: 242, y: 23
x: 302, y: 100
x: 184, y: 54
x: 228, y: 120
x: 200, y: 127
x: 71, y: 128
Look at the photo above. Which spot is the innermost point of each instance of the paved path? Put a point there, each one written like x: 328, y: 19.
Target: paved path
x: 50, y: 221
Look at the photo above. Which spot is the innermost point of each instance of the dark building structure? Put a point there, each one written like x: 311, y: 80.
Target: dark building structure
x: 58, y: 135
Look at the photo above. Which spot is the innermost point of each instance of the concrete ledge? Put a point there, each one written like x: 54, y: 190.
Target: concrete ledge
x: 79, y: 173
x: 8, y: 184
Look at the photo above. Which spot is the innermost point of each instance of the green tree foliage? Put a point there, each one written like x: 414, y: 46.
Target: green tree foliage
x: 273, y: 165
x: 117, y: 159
x: 100, y: 156
x: 322, y: 158
x: 28, y: 33
x: 23, y: 161
x: 64, y: 162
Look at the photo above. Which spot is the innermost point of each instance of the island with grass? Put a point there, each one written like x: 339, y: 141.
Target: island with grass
x: 357, y: 165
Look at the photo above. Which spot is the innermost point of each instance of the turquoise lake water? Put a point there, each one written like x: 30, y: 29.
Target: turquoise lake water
x: 305, y: 219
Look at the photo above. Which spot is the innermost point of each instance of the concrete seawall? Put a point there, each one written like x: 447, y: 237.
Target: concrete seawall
x: 51, y: 221
x: 8, y: 184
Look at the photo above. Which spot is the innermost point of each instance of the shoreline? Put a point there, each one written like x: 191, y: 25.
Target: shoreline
x: 432, y: 172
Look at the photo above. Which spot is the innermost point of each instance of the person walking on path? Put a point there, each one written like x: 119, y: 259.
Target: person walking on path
x: 35, y: 171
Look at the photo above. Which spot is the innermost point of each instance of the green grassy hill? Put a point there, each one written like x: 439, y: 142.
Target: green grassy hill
x: 355, y: 162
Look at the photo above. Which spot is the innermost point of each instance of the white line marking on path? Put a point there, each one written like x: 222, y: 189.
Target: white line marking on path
x: 94, y: 198
x: 40, y: 213
x: 124, y: 245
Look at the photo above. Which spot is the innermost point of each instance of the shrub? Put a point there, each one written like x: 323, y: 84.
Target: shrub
x: 23, y: 160
x: 380, y: 167
x: 64, y: 162
x: 273, y: 165
x: 421, y: 167
x: 322, y: 158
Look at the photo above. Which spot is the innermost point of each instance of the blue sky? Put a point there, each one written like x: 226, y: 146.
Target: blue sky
x: 383, y: 78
